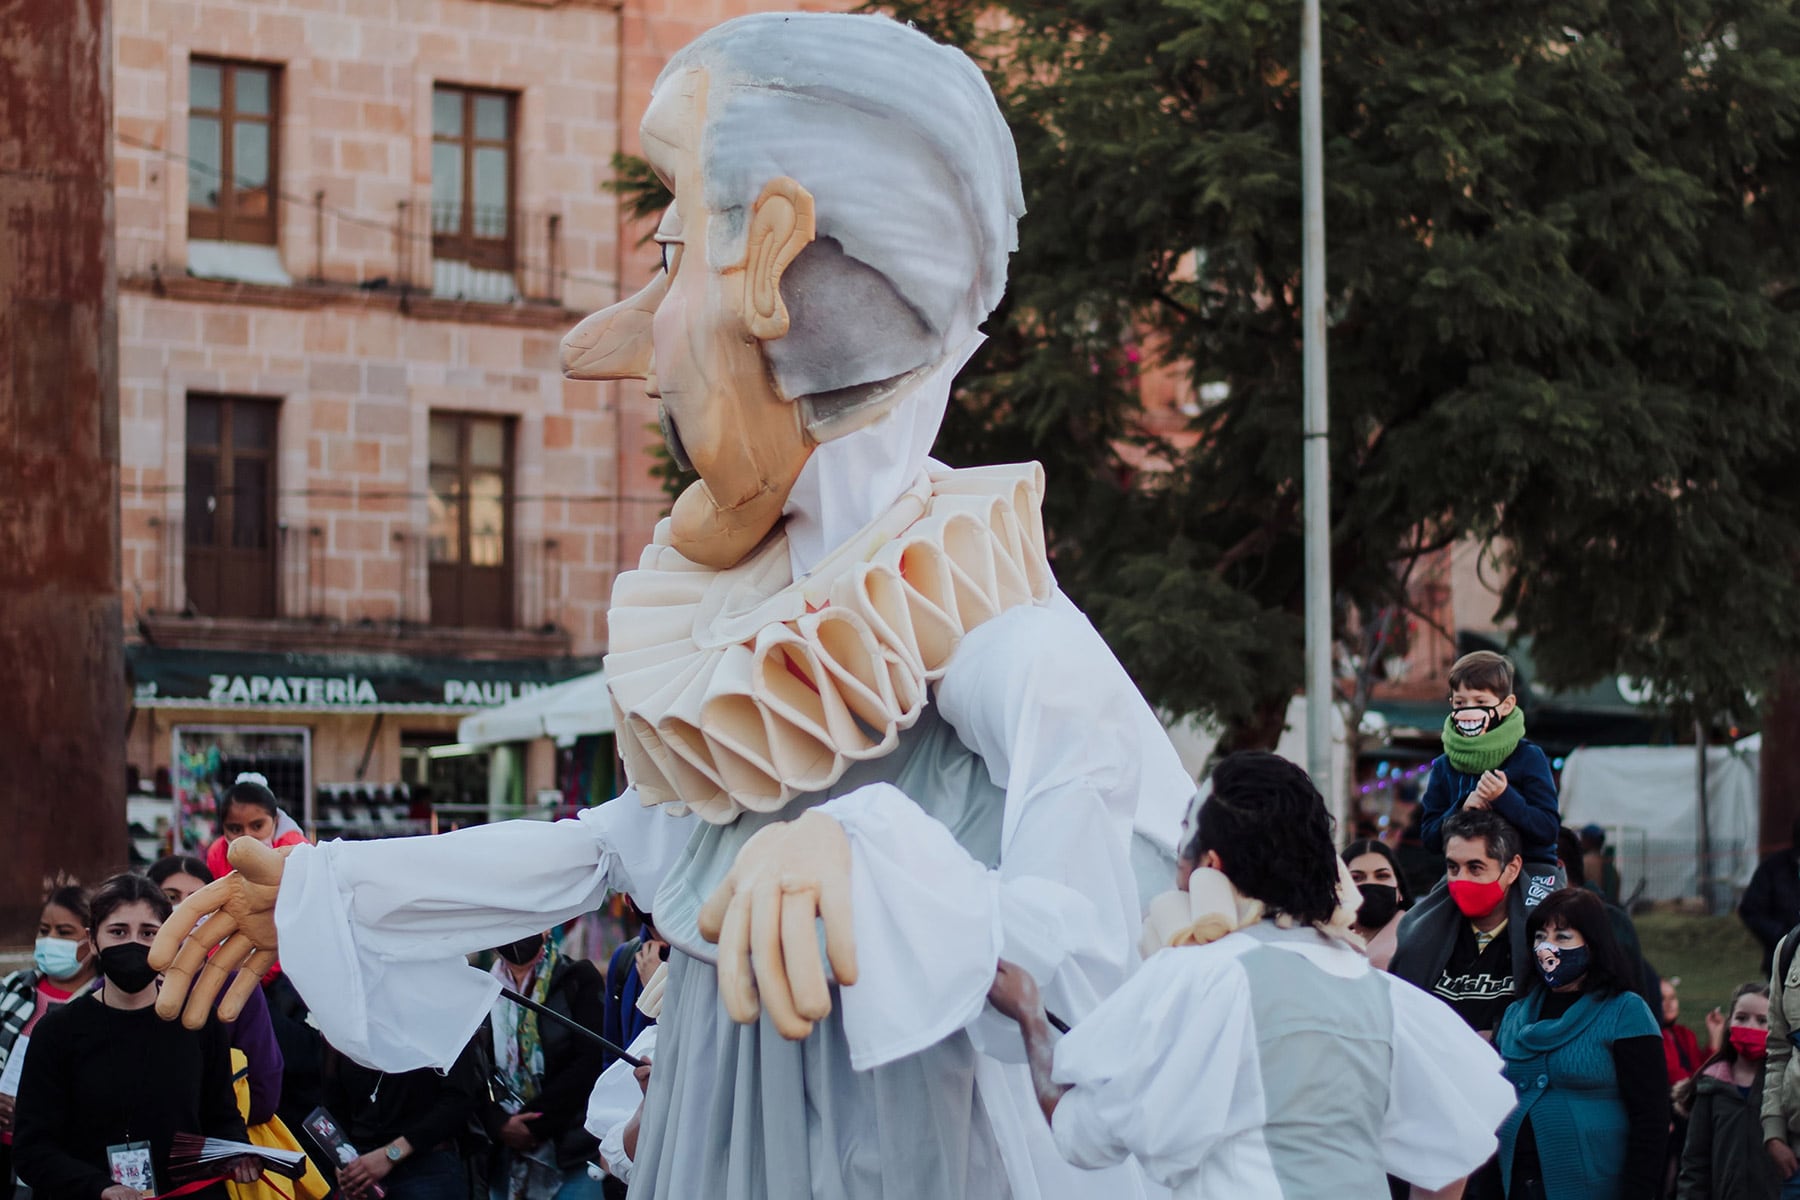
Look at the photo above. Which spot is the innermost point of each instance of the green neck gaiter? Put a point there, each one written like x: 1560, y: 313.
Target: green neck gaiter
x: 1486, y: 751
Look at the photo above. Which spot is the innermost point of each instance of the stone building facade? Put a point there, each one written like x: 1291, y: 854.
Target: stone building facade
x: 358, y: 500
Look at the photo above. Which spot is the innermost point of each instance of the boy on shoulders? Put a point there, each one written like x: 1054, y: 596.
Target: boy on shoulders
x: 1488, y: 764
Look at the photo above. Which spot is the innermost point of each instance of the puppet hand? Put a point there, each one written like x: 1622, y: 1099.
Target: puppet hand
x: 239, y: 915
x: 762, y: 916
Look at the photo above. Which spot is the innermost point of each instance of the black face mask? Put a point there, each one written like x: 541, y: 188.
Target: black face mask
x: 1379, y: 904
x: 127, y: 967
x: 522, y: 951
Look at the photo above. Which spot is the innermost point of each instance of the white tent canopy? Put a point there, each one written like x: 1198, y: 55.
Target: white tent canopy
x: 571, y: 709
x: 1647, y: 799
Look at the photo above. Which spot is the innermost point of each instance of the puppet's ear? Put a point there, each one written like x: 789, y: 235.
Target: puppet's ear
x: 781, y: 226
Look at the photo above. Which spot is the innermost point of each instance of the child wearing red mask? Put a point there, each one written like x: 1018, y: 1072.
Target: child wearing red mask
x: 1724, y: 1155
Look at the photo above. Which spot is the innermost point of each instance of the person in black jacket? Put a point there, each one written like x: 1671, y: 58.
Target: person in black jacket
x: 1771, y: 904
x: 103, y: 1072
x: 404, y: 1126
x: 543, y: 1073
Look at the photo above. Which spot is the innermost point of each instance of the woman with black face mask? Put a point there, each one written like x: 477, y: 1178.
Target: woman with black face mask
x: 543, y: 1072
x: 107, y: 1085
x: 1385, y: 897
x: 1586, y: 1058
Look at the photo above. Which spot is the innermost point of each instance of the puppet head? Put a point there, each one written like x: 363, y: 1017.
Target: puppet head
x: 846, y: 194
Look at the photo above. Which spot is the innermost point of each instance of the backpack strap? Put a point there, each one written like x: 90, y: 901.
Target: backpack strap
x: 1784, y: 955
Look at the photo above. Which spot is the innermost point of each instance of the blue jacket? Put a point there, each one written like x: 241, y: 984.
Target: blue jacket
x: 1568, y: 1085
x: 1528, y: 803
x: 621, y: 1022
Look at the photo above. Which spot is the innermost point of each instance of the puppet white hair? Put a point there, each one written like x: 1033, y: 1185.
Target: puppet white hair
x: 915, y: 183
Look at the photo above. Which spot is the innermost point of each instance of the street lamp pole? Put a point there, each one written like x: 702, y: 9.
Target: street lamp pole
x: 1316, y: 466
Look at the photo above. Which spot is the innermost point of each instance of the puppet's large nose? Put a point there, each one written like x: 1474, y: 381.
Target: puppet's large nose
x: 614, y: 343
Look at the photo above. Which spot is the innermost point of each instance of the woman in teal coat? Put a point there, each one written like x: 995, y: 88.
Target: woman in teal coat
x: 1585, y: 1055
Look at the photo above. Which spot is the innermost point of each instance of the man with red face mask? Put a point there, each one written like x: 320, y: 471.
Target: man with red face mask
x: 1468, y: 952
x: 1465, y: 943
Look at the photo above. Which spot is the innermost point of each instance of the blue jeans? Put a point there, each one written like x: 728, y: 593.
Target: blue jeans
x: 576, y: 1184
x: 432, y: 1175
x: 1790, y: 1189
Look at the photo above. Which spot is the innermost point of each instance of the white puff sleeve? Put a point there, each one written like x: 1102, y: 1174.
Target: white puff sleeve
x: 1446, y: 1093
x: 375, y: 934
x: 1165, y: 1069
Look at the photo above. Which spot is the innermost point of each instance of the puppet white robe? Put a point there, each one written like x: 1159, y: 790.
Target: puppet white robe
x: 1277, y: 1065
x: 374, y: 934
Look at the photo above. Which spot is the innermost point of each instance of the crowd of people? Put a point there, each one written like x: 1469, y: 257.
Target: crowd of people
x: 101, y: 1087
x: 1506, y: 999
x: 1609, y: 1097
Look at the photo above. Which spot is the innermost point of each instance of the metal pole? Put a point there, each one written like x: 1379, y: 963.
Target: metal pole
x: 1316, y: 466
x: 1706, y: 870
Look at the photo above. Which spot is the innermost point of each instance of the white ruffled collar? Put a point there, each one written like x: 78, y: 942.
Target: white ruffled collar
x: 740, y: 689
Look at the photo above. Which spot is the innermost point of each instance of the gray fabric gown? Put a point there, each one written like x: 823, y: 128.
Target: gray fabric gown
x: 737, y: 1112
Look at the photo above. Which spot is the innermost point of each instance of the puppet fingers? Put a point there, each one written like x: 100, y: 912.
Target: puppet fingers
x: 248, y: 980
x: 840, y: 933
x: 186, y: 917
x: 711, y: 918
x: 737, y: 988
x: 257, y: 863
x: 180, y: 975
x: 771, y: 971
x: 212, y: 979
x: 800, y: 951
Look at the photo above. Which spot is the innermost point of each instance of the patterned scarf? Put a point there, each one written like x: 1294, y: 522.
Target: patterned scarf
x: 519, y: 1057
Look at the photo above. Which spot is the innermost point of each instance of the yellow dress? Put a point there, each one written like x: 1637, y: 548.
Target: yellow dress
x: 274, y: 1134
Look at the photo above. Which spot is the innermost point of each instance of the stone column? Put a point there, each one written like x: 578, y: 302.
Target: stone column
x: 62, y: 726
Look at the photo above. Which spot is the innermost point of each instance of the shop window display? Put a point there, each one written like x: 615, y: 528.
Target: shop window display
x: 208, y: 758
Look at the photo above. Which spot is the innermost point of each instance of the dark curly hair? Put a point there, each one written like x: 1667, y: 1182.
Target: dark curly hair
x: 1609, y: 970
x: 1268, y: 825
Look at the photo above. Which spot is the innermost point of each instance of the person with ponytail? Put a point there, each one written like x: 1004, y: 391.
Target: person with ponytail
x: 62, y: 965
x: 1256, y: 1052
x: 1723, y: 1158
x: 249, y: 809
x: 103, y: 1072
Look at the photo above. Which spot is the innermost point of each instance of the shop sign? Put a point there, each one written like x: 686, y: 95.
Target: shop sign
x: 338, y: 691
x: 173, y: 678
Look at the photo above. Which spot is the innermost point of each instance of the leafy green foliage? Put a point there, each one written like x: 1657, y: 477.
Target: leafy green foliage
x: 1561, y: 279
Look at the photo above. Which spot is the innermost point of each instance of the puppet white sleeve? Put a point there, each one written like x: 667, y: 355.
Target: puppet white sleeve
x: 614, y: 1101
x: 1446, y: 1093
x: 1064, y: 732
x: 375, y: 934
x: 1158, y: 1071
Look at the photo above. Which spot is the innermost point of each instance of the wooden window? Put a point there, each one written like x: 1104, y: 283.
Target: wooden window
x: 472, y: 169
x: 230, y: 527
x: 232, y: 185
x: 470, y: 520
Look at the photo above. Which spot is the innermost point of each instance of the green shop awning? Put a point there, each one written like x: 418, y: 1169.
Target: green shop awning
x: 163, y: 677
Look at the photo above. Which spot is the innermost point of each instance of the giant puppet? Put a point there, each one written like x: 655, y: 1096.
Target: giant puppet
x: 871, y: 747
